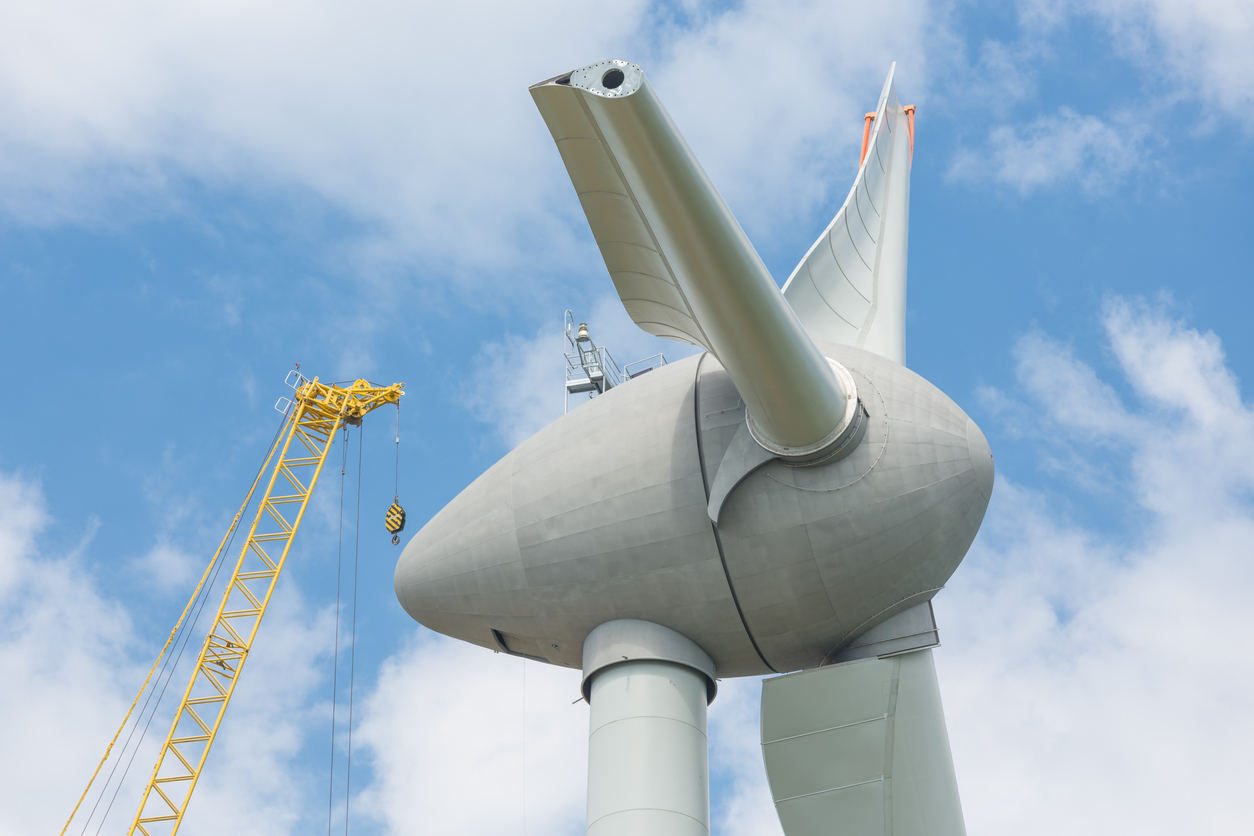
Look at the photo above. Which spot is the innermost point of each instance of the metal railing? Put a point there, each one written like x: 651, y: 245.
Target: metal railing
x: 648, y: 364
x: 591, y: 369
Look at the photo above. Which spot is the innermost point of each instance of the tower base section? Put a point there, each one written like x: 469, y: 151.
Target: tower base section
x: 648, y: 761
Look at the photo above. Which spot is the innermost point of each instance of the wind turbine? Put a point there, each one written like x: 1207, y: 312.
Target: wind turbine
x: 790, y: 500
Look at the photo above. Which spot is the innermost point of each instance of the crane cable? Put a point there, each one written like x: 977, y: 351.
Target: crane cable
x: 524, y: 752
x: 394, y: 519
x: 335, y: 657
x: 352, y: 656
x: 352, y: 635
x: 227, y: 540
x: 191, y: 627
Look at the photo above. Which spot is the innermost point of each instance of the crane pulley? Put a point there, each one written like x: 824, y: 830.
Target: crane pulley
x: 313, y: 416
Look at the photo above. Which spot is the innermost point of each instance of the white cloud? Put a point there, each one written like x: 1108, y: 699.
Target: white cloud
x: 1182, y: 53
x: 1003, y: 75
x: 168, y: 565
x: 447, y: 719
x: 64, y: 651
x: 414, y: 119
x: 1202, y: 45
x: 22, y: 517
x: 736, y: 761
x: 258, y: 782
x: 1198, y: 49
x: 771, y: 95
x: 176, y: 559
x: 444, y: 735
x: 1066, y: 641
x: 1092, y: 673
x: 72, y: 659
x: 518, y: 381
x: 1064, y: 150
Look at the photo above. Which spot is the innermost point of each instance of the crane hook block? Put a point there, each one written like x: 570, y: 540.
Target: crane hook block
x: 395, y: 522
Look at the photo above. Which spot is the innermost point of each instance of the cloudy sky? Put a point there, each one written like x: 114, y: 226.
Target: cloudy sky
x: 194, y: 196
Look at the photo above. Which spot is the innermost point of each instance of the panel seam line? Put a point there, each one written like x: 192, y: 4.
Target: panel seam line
x: 833, y: 789
x: 718, y: 541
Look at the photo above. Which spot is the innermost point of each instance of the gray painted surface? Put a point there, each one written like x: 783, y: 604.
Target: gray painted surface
x: 603, y: 515
x: 648, y: 751
x: 912, y: 629
x: 628, y: 639
x: 689, y: 510
x: 861, y: 749
x: 743, y: 456
x: 818, y: 555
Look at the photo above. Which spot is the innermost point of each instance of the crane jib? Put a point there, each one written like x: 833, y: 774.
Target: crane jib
x: 316, y: 413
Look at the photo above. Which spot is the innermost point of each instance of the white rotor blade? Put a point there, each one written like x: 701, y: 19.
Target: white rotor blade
x: 861, y: 749
x: 682, y: 265
x: 851, y: 286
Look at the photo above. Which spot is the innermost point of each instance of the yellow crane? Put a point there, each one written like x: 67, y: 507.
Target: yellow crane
x: 315, y: 414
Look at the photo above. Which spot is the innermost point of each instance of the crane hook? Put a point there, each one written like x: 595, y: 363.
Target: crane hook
x: 394, y: 520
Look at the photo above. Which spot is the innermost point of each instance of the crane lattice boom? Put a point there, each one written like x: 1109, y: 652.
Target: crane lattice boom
x: 318, y: 412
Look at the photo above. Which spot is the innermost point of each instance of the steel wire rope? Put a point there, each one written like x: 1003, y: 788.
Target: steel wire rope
x: 335, y: 656
x: 352, y: 656
x: 138, y: 717
x: 180, y: 629
x: 524, y: 754
x: 174, y: 639
x: 189, y: 628
x: 160, y: 664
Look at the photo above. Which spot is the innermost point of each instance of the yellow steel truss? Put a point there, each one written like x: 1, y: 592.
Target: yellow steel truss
x: 226, y: 538
x: 318, y: 412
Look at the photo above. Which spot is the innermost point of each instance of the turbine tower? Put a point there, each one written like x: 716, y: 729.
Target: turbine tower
x: 788, y: 501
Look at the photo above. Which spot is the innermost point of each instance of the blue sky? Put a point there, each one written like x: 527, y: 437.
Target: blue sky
x: 192, y: 199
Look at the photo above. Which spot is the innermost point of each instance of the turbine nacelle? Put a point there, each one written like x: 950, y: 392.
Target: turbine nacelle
x: 604, y: 514
x: 791, y: 498
x: 772, y: 499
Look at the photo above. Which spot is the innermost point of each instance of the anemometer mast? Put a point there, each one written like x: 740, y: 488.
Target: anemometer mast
x: 591, y: 369
x: 314, y: 415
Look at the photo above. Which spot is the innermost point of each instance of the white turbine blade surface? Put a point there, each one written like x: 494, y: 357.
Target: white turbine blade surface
x: 682, y: 265
x: 851, y: 286
x: 644, y: 280
x: 861, y: 749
